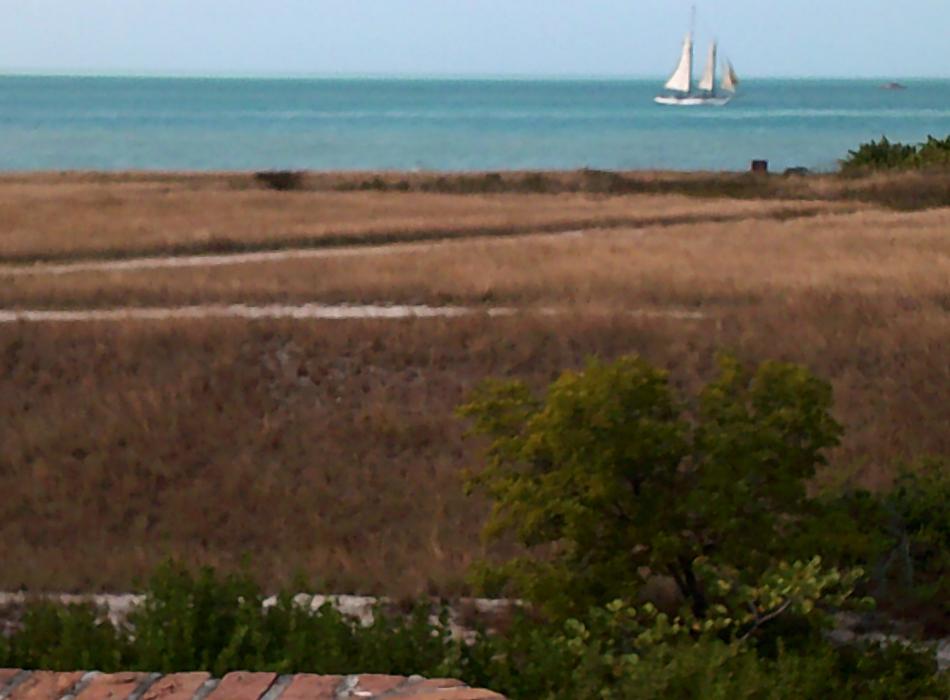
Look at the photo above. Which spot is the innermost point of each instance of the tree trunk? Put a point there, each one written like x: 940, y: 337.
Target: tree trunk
x: 689, y: 587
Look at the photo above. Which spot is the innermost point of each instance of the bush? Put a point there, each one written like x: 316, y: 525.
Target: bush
x: 920, y: 502
x: 193, y: 622
x: 281, y: 180
x: 608, y: 479
x: 714, y: 668
x: 934, y: 153
x: 901, y: 537
x: 905, y: 534
x: 884, y: 155
x: 616, y: 651
x: 204, y: 621
x: 65, y: 638
x: 880, y: 155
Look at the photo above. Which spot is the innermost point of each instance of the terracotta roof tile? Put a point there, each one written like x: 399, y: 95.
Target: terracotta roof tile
x: 48, y: 685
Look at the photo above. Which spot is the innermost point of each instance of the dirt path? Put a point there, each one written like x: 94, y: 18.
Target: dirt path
x: 206, y: 260
x: 337, y: 312
x: 330, y: 248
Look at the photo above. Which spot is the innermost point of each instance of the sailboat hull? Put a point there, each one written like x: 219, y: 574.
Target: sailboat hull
x: 692, y: 101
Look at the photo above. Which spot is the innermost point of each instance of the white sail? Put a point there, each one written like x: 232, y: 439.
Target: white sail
x: 730, y: 81
x: 708, y: 81
x: 682, y: 78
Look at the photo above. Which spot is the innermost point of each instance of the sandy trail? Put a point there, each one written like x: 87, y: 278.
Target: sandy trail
x: 153, y: 262
x: 304, y: 311
x: 337, y: 312
x: 211, y: 260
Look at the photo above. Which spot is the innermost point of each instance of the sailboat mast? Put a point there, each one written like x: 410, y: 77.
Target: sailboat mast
x: 692, y: 42
x: 708, y: 82
x: 713, y: 58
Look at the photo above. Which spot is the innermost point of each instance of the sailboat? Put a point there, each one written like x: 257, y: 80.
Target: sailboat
x: 680, y: 85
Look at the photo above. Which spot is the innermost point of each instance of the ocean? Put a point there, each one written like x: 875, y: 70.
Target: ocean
x: 60, y: 123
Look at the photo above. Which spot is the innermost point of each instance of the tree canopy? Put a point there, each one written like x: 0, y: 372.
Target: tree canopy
x: 611, y: 477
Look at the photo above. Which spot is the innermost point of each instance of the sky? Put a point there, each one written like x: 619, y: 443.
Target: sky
x: 635, y: 38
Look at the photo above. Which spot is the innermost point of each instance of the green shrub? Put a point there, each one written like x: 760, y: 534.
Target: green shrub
x: 884, y: 155
x: 933, y: 153
x: 713, y: 668
x: 921, y: 501
x: 619, y: 652
x: 608, y: 479
x: 913, y: 571
x: 192, y: 622
x: 901, y: 537
x: 65, y: 638
x: 880, y: 155
x: 616, y: 651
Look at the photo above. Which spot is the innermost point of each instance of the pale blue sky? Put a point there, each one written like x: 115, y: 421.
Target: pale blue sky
x: 842, y: 38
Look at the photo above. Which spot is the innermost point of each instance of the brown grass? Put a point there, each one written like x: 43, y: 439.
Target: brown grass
x: 70, y: 215
x: 331, y: 448
x: 902, y: 190
x: 50, y: 220
x: 899, y: 190
x: 896, y: 256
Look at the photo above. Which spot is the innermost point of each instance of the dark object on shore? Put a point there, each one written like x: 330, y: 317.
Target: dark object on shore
x: 797, y: 170
x: 760, y: 166
x: 283, y: 180
x: 893, y: 86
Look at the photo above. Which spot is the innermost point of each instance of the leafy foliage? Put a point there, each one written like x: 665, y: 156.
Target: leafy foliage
x: 884, y: 155
x: 218, y: 623
x: 921, y: 503
x: 607, y: 480
x: 196, y: 621
x: 616, y: 656
x: 934, y: 152
x: 65, y: 638
x: 616, y: 651
x: 901, y: 536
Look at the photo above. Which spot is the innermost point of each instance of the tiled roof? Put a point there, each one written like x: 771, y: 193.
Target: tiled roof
x: 48, y: 685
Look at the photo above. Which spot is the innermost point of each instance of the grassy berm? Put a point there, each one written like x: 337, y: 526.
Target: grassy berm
x: 333, y: 450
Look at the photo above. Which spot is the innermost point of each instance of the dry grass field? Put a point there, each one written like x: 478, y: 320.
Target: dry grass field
x: 82, y: 215
x: 330, y: 448
x: 870, y: 253
x: 70, y: 220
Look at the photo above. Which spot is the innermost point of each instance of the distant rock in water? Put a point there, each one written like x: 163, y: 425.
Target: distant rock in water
x: 893, y: 86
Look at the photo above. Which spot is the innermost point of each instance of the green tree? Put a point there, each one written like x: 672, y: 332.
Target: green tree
x: 611, y: 477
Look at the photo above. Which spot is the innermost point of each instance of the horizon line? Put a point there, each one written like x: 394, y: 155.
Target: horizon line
x: 370, y: 76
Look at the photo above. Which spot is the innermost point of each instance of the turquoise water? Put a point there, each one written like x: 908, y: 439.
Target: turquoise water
x: 208, y: 124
